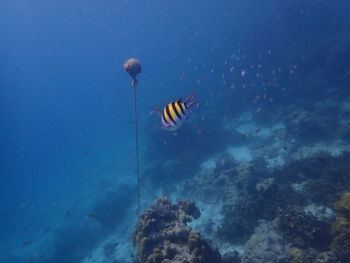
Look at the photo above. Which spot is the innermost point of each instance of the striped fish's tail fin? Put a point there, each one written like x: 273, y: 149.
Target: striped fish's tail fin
x: 156, y: 110
x: 189, y: 102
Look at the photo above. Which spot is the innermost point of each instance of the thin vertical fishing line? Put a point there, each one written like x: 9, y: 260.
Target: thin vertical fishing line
x: 137, y: 154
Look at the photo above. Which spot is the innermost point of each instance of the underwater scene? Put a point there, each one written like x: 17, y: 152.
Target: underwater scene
x: 189, y: 131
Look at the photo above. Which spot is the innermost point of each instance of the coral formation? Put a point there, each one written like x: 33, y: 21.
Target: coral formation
x: 231, y: 257
x: 340, y: 246
x: 298, y: 255
x: 307, y: 125
x: 263, y: 201
x: 163, y: 236
x: 303, y: 230
x: 264, y: 247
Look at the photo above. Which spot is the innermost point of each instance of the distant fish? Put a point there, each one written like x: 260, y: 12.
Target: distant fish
x: 258, y: 130
x: 27, y: 243
x: 234, y: 56
x: 244, y: 137
x: 91, y: 216
x: 256, y: 98
x: 175, y: 113
x: 68, y: 212
x: 223, y: 161
x: 24, y: 229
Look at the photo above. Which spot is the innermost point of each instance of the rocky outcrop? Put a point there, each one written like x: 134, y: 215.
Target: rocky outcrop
x: 162, y: 235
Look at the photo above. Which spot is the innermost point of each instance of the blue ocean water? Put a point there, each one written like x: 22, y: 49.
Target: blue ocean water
x: 67, y: 166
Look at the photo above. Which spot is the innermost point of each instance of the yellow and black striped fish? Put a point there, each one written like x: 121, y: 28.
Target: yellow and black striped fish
x: 175, y: 113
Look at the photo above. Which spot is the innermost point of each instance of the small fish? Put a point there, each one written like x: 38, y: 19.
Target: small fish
x: 91, y: 216
x: 258, y: 130
x: 234, y: 56
x: 24, y: 229
x: 175, y: 113
x: 244, y: 137
x: 68, y: 212
x: 27, y: 243
x: 223, y: 161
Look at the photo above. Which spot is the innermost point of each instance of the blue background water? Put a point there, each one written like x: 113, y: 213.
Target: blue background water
x: 66, y: 121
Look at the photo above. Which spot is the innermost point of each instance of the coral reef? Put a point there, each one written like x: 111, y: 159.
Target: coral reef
x: 303, y: 230
x: 163, y: 236
x: 298, y: 255
x: 262, y: 202
x: 264, y: 247
x: 231, y: 257
x: 340, y: 246
x: 320, y: 171
x: 299, y: 192
x: 309, y: 126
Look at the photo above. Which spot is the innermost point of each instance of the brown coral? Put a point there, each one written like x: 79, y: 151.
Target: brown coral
x: 340, y: 247
x: 162, y: 235
x: 341, y: 243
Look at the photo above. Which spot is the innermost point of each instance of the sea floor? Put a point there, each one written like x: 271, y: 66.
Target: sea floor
x: 299, y: 160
